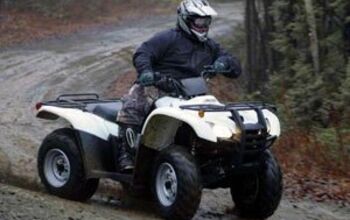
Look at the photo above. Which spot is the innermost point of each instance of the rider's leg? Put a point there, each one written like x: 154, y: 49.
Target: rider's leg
x: 136, y: 106
x: 129, y: 119
x: 126, y: 147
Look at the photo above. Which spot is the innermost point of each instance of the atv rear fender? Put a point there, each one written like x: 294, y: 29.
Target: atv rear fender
x: 91, y: 131
x: 80, y: 120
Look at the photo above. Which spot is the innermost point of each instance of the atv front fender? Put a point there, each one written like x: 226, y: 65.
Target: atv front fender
x: 162, y: 124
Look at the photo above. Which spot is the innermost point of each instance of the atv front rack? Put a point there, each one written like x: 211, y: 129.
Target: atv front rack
x: 254, y: 138
x: 229, y: 107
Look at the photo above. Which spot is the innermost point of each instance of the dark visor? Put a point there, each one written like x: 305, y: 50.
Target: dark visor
x: 201, y: 22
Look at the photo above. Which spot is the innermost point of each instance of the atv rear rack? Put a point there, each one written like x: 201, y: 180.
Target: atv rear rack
x: 79, y: 101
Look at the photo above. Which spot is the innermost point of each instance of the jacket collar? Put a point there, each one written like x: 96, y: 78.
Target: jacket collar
x: 187, y: 35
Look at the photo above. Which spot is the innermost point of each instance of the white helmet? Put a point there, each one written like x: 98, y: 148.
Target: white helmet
x: 194, y: 17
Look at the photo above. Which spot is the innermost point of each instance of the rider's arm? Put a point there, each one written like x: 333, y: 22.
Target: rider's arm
x: 152, y: 51
x: 230, y: 60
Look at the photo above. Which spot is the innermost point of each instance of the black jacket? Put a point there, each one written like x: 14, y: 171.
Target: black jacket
x: 181, y: 55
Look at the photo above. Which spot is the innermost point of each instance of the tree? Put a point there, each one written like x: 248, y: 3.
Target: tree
x: 311, y: 20
x: 257, y: 55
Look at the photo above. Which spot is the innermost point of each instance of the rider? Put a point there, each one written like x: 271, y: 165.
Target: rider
x: 181, y: 52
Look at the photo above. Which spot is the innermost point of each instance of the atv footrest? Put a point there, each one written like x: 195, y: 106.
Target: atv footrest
x: 120, y: 177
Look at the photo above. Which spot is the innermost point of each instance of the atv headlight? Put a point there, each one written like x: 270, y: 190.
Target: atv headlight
x: 222, y: 131
x: 237, y: 134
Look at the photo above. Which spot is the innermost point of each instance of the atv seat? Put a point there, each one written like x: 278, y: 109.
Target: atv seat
x: 108, y: 111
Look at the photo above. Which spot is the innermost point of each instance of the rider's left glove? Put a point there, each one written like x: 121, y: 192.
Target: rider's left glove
x: 146, y: 78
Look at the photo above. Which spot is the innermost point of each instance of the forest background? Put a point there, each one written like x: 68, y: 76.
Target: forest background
x: 296, y: 55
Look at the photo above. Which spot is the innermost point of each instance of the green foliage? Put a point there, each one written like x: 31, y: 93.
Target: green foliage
x: 333, y: 140
x: 311, y: 98
x: 318, y: 102
x: 344, y: 97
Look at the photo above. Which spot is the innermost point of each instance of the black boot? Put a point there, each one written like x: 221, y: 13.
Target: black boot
x: 125, y: 162
x: 124, y: 159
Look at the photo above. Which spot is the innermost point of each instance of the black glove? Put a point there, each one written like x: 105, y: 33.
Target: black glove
x: 228, y: 66
x: 146, y: 78
x: 221, y: 65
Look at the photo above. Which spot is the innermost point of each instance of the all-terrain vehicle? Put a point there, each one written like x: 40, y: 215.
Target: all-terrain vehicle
x: 189, y: 141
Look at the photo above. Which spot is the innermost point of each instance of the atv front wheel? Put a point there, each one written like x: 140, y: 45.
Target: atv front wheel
x: 176, y: 183
x: 257, y: 195
x: 61, y: 168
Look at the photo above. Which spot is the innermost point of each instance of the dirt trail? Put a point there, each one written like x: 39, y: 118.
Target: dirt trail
x: 16, y: 203
x: 90, y: 62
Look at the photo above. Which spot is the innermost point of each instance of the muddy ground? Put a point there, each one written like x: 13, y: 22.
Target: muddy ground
x: 90, y: 62
x: 17, y: 203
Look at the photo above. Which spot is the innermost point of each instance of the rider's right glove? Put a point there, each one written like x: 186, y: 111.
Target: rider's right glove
x: 228, y: 66
x: 221, y: 65
x: 146, y: 78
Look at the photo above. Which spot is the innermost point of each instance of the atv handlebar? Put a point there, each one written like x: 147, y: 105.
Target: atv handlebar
x: 169, y: 84
x: 209, y: 71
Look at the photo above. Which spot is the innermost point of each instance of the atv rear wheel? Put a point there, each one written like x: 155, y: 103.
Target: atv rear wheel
x: 61, y: 169
x: 176, y: 183
x: 258, y: 195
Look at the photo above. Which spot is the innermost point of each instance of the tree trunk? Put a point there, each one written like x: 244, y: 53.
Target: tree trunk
x: 311, y: 20
x: 253, y: 40
x: 250, y: 45
x: 259, y: 53
x: 261, y: 73
x: 267, y: 32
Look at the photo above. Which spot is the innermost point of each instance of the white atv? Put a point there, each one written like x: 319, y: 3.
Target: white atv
x: 189, y: 141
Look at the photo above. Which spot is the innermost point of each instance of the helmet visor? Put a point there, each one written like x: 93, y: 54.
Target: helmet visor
x: 202, y: 22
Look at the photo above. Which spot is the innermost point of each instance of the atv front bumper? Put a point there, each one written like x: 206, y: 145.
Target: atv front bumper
x: 242, y: 152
